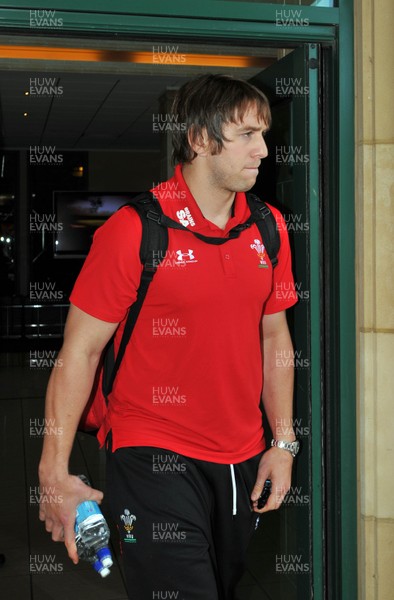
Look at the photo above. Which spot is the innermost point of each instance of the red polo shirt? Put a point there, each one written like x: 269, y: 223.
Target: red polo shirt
x: 191, y: 377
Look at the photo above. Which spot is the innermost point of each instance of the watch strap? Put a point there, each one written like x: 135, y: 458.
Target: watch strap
x: 292, y: 447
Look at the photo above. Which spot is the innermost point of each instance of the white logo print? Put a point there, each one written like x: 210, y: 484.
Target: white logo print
x: 185, y: 217
x: 185, y: 257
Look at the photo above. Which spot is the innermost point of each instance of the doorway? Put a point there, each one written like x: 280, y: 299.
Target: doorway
x: 89, y: 146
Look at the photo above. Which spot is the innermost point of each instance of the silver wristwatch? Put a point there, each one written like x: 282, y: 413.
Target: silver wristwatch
x: 292, y: 447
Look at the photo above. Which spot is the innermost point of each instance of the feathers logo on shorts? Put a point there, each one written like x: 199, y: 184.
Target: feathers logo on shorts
x: 128, y: 520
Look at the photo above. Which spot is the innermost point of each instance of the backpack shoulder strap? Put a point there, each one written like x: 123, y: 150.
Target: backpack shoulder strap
x: 266, y: 223
x: 154, y: 244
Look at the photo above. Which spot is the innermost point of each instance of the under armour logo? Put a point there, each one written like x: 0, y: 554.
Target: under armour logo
x: 185, y: 256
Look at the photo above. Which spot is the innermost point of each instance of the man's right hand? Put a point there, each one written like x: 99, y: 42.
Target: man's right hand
x: 59, y: 499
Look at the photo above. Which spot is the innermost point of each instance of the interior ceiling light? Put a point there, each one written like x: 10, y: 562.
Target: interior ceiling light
x: 159, y: 58
x: 77, y: 171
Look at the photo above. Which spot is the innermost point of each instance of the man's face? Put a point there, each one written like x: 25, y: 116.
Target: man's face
x: 235, y: 169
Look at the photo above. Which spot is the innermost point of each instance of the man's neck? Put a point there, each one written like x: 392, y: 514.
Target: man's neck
x: 215, y: 204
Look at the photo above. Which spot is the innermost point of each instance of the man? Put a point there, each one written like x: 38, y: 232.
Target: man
x: 185, y: 446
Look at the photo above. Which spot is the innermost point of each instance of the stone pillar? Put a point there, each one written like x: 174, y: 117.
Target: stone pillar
x: 374, y: 71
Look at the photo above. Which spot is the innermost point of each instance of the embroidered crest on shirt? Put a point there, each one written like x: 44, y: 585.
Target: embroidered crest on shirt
x: 185, y: 257
x: 128, y: 520
x: 185, y: 217
x: 260, y: 249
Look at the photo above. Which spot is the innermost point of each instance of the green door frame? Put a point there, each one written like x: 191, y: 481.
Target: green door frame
x: 347, y: 303
x: 257, y: 21
x: 179, y: 16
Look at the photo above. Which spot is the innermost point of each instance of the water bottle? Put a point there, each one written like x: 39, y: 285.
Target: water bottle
x: 92, y: 535
x: 90, y: 555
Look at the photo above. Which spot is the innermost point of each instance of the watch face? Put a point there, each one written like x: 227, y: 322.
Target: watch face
x: 295, y: 446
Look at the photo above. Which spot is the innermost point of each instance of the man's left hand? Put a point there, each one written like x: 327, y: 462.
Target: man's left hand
x: 276, y: 464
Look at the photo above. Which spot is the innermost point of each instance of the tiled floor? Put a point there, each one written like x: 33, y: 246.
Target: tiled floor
x: 23, y: 538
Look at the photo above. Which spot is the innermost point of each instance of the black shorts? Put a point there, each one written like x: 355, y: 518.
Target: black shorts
x: 184, y: 524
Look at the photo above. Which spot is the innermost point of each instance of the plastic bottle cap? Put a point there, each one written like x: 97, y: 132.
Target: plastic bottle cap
x: 104, y: 572
x: 104, y: 555
x: 97, y: 565
x: 107, y: 562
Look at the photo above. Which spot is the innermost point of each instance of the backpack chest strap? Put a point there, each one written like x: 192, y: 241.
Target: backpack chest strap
x: 234, y: 233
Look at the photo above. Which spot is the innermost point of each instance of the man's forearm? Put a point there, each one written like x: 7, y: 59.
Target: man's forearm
x: 68, y: 390
x: 278, y: 385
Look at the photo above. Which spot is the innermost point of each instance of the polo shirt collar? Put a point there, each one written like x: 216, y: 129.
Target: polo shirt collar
x: 178, y: 203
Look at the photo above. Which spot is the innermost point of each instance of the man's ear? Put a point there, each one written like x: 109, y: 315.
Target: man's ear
x: 199, y: 141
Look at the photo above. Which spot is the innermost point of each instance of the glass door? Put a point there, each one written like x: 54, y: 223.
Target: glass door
x: 286, y: 556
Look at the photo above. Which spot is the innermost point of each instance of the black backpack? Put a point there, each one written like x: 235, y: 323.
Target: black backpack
x: 154, y: 244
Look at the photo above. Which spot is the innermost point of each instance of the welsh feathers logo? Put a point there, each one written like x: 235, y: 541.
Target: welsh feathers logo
x: 128, y: 520
x: 260, y: 249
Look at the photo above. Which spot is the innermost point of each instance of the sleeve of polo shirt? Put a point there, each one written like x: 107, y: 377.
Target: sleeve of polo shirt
x: 108, y: 282
x: 283, y: 293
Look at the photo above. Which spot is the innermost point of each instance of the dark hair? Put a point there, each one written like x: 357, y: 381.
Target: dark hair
x: 209, y: 102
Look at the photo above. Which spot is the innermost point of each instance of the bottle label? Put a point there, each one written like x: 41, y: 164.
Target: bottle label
x: 89, y: 511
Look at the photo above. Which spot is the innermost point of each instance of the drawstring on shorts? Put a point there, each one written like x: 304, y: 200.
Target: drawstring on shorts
x: 234, y: 484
